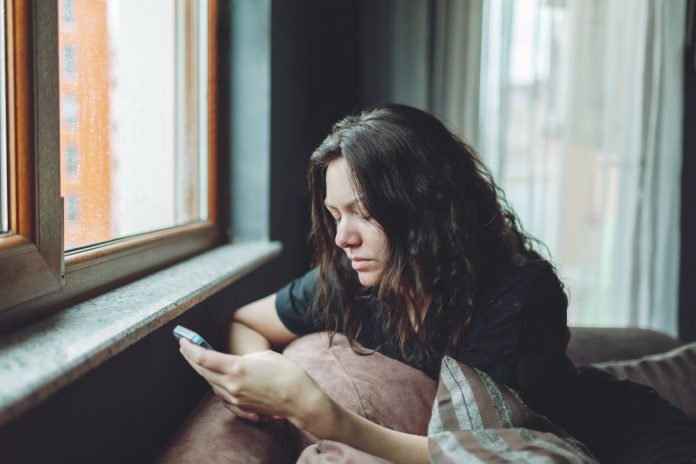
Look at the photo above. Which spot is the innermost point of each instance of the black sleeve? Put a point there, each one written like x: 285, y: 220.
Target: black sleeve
x: 518, y: 336
x: 293, y: 303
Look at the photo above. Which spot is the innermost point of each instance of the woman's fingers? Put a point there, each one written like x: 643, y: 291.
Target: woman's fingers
x: 217, y: 368
x: 211, y: 376
x: 252, y: 416
x: 224, y: 395
x: 239, y: 386
x: 221, y: 363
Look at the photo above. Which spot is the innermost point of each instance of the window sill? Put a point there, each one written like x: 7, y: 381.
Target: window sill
x: 38, y: 360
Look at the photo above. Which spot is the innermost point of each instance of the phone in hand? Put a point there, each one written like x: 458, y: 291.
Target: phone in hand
x: 190, y: 335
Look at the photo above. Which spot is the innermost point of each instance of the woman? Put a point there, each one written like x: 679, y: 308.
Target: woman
x: 418, y: 256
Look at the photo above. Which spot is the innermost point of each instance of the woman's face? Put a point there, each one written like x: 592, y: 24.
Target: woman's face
x: 359, y: 236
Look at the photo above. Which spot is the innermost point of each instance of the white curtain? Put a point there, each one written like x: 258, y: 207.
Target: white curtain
x: 575, y: 105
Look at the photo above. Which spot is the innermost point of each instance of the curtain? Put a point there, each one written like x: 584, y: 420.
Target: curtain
x: 456, y: 49
x: 575, y: 106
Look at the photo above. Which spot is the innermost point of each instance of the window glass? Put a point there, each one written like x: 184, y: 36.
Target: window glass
x: 72, y: 208
x: 69, y: 60
x: 67, y: 11
x: 72, y: 163
x: 133, y: 86
x: 4, y: 202
x: 69, y: 110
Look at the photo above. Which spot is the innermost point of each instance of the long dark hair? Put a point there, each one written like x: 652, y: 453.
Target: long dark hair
x: 448, y: 227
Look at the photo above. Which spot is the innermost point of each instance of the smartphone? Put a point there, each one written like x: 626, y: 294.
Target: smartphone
x: 190, y: 335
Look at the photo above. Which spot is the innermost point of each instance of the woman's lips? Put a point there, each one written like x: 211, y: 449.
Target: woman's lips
x: 360, y: 264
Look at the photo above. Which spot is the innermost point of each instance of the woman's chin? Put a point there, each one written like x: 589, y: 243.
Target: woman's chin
x: 368, y: 279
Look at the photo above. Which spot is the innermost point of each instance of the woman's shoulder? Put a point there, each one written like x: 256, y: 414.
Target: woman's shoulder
x: 514, y: 282
x: 523, y: 299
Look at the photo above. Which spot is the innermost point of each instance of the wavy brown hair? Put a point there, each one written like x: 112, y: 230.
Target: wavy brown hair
x: 447, y: 224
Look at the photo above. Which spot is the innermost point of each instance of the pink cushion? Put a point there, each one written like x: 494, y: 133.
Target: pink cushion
x: 327, y: 451
x: 375, y: 386
x: 212, y: 434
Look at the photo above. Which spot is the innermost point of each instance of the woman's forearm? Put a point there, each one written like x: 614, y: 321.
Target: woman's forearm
x: 339, y: 424
x: 243, y: 340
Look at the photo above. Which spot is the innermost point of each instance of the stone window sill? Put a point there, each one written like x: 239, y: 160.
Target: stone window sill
x: 38, y: 360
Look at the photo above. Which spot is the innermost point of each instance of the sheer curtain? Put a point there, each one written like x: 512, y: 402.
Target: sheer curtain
x: 575, y: 105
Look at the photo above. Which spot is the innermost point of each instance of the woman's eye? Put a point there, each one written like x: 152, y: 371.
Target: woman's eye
x: 362, y: 218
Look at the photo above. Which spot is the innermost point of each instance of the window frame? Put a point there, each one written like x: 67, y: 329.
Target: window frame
x: 36, y: 276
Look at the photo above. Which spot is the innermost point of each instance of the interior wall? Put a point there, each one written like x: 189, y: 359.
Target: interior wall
x: 395, y: 51
x: 314, y: 83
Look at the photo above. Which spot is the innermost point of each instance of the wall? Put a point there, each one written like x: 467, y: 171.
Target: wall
x: 314, y: 83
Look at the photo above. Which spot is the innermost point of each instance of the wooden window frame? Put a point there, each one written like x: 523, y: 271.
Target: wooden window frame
x: 36, y: 275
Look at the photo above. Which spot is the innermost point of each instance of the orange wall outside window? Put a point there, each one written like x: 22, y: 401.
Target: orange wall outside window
x: 83, y: 25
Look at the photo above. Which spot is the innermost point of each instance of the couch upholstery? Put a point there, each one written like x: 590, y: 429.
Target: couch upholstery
x: 600, y: 344
x: 374, y: 386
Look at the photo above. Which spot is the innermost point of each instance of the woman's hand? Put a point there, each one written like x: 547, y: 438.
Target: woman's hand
x: 262, y: 384
x: 268, y: 383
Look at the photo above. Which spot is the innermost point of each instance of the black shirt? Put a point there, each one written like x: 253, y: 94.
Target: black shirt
x: 517, y: 335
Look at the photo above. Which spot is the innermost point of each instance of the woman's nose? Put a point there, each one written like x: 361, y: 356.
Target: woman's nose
x: 346, y: 235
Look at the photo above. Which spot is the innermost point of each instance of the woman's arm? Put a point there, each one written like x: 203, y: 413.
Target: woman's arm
x: 352, y: 429
x: 257, y: 327
x: 273, y: 385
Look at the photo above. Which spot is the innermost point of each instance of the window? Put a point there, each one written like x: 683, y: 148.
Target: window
x: 69, y: 60
x: 72, y: 163
x: 70, y: 111
x: 67, y: 11
x: 56, y: 102
x: 141, y: 121
x: 587, y: 154
x: 72, y: 208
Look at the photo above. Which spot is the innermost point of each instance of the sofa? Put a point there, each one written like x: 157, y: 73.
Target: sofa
x: 400, y: 397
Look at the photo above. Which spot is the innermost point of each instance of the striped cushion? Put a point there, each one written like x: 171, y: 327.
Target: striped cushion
x: 474, y: 419
x: 671, y: 374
